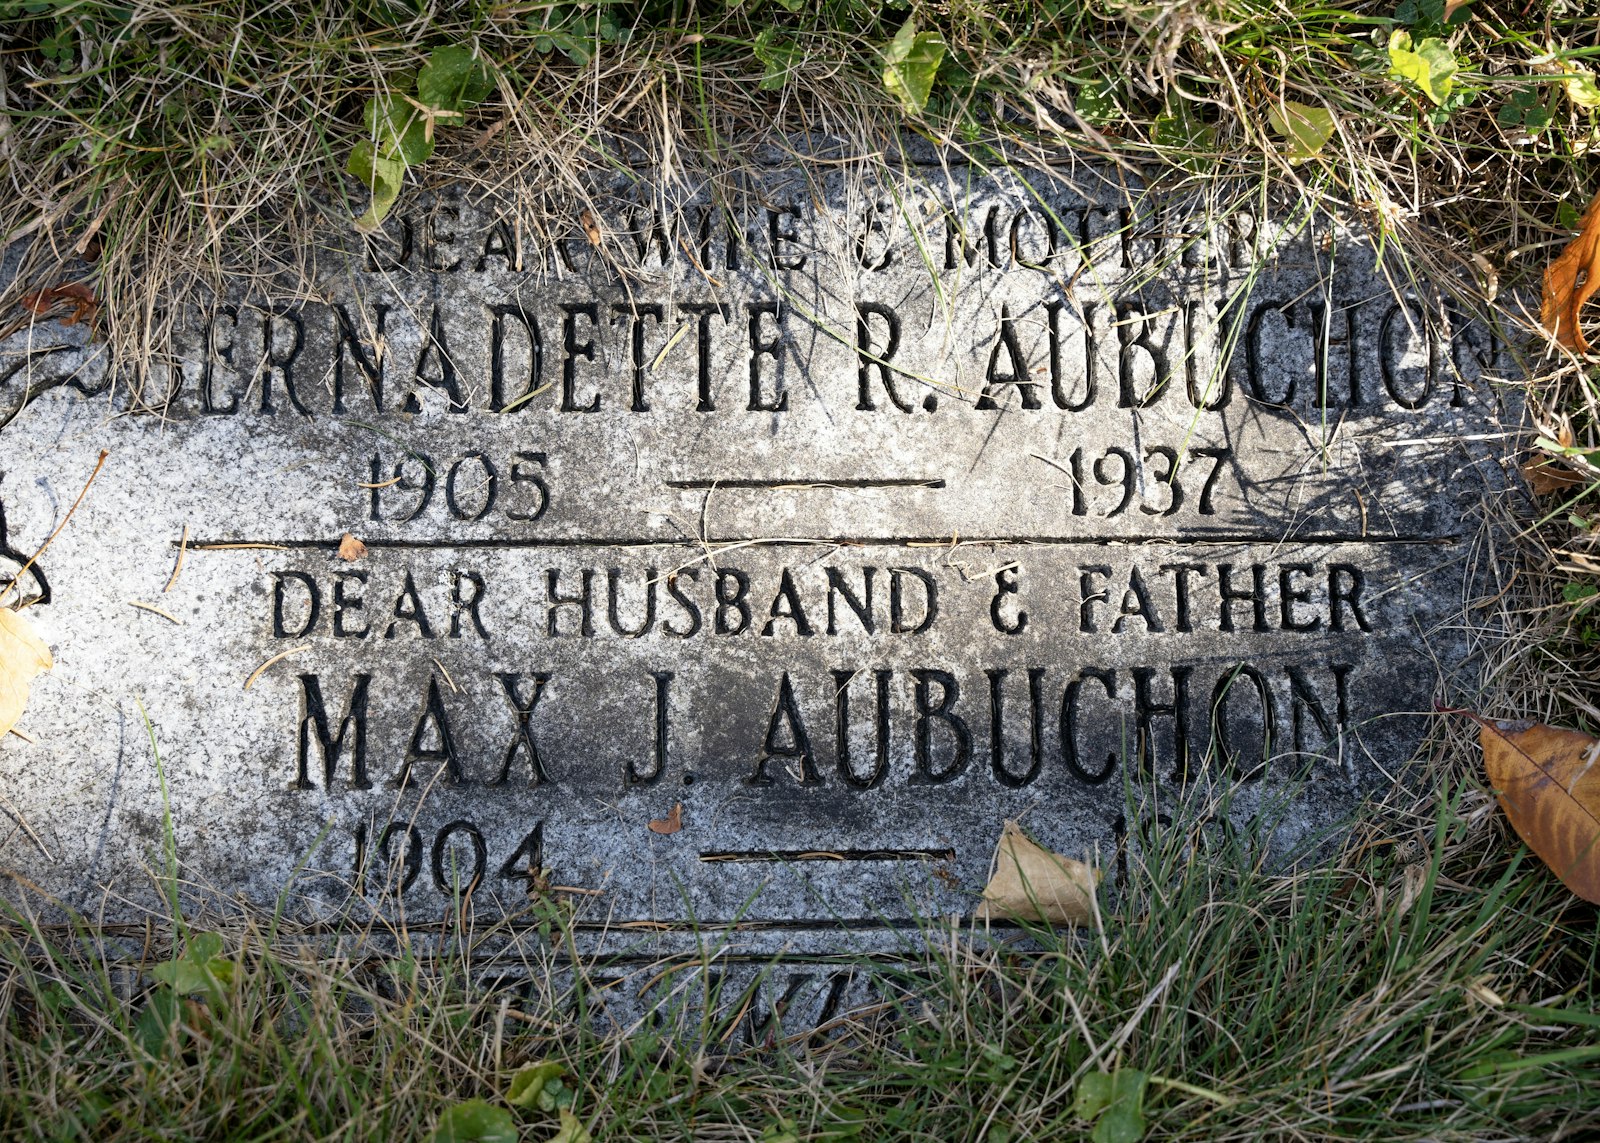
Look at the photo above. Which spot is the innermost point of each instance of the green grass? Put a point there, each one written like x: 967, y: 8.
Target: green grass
x: 1434, y: 983
x: 172, y: 140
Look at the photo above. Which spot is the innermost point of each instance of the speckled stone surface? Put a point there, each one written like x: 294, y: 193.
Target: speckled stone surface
x: 854, y: 522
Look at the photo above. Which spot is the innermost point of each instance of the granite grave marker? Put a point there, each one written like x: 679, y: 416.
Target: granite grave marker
x: 855, y: 519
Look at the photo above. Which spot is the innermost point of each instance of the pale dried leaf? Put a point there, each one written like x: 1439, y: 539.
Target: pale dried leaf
x: 1412, y: 881
x: 22, y: 656
x: 1030, y: 883
x: 351, y: 549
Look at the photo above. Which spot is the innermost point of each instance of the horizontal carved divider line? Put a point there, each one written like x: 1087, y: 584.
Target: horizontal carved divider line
x: 1035, y: 541
x: 787, y: 855
x: 789, y: 484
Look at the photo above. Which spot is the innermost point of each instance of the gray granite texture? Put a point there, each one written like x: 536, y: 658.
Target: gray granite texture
x: 855, y: 520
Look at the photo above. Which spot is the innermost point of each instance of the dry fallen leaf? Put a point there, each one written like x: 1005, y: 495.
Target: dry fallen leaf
x: 590, y: 227
x: 1570, y: 280
x: 672, y: 823
x: 1030, y: 883
x: 1546, y: 476
x: 1548, y: 782
x: 350, y: 548
x: 81, y: 299
x: 1413, y: 879
x: 22, y: 656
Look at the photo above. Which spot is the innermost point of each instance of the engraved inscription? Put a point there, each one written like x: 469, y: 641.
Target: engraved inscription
x: 840, y: 524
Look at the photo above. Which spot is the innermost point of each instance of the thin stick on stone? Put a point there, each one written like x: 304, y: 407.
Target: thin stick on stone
x: 33, y: 559
x: 278, y: 658
x: 183, y: 550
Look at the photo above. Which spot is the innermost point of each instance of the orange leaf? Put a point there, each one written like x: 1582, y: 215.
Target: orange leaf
x: 1570, y: 280
x: 351, y: 549
x: 80, y: 298
x: 591, y: 229
x: 672, y: 823
x: 1548, y: 782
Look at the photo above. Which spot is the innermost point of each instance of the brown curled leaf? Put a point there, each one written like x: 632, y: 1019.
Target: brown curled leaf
x: 351, y: 549
x: 591, y: 228
x: 1547, y: 476
x: 78, y: 298
x: 1569, y: 282
x: 1547, y: 780
x: 672, y: 823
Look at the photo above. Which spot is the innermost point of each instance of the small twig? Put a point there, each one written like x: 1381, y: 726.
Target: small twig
x: 278, y: 658
x: 183, y: 549
x: 16, y: 579
x: 23, y: 822
x: 453, y: 688
x: 153, y: 609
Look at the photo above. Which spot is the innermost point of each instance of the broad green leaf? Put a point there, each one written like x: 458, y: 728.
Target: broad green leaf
x: 530, y: 1081
x: 911, y: 60
x: 198, y: 969
x: 1128, y: 1086
x: 1123, y: 1120
x: 383, y: 177
x: 851, y: 1123
x: 1182, y: 130
x: 572, y: 1130
x: 1305, y: 127
x: 204, y: 946
x: 1116, y: 1104
x: 778, y: 58
x: 154, y: 1027
x: 1430, y: 65
x: 222, y: 969
x: 1523, y: 109
x: 1432, y: 13
x: 1093, y: 1095
x: 1120, y: 1124
x: 573, y: 47
x: 182, y: 976
x: 452, y: 79
x: 397, y: 130
x: 475, y: 1121
x: 1096, y: 101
